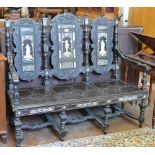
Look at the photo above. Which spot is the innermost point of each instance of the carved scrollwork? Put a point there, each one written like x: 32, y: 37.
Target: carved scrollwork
x: 67, y: 56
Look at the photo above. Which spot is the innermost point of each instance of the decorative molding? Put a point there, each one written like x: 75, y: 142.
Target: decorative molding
x: 87, y: 104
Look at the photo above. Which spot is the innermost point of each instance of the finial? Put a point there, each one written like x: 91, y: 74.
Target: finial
x: 44, y: 21
x: 85, y: 20
x: 65, y: 11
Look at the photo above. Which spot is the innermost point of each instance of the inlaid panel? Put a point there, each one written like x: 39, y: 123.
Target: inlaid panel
x: 67, y: 52
x: 27, y: 37
x: 102, y: 55
x: 27, y: 42
x: 67, y: 56
x: 102, y: 37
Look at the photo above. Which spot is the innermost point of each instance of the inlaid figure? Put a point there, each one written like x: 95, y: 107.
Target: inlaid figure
x: 28, y: 56
x: 67, y: 53
x: 102, y: 52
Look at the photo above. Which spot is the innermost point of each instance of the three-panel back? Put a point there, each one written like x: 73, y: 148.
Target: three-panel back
x: 67, y: 35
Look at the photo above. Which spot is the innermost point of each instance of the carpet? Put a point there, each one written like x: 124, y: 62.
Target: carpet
x: 143, y: 137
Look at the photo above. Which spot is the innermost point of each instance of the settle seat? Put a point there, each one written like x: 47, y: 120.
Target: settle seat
x: 65, y: 48
x: 71, y: 96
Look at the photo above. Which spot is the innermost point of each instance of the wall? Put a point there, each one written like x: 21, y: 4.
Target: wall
x: 94, y: 12
x: 144, y: 16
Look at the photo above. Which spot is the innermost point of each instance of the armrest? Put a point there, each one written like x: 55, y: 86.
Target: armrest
x: 13, y: 74
x: 137, y: 63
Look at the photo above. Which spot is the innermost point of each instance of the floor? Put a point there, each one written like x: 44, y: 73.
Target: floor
x: 85, y: 129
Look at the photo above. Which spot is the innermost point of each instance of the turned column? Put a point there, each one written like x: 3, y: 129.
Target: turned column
x: 86, y: 46
x: 115, y: 47
x: 45, y: 50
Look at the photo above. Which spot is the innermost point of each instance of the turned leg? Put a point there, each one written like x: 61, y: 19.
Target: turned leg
x: 122, y: 105
x: 11, y: 117
x: 11, y: 121
x: 4, y: 138
x: 63, y: 119
x: 141, y: 116
x: 107, y: 112
x: 142, y: 104
x: 153, y: 117
x: 150, y: 90
x: 10, y: 83
x: 19, y: 133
